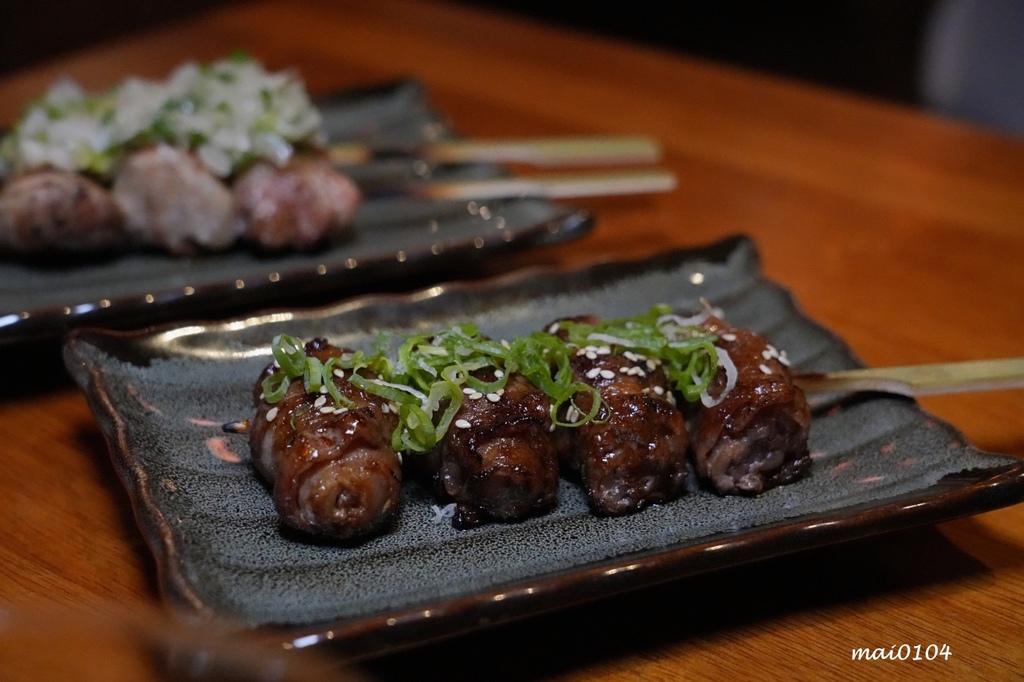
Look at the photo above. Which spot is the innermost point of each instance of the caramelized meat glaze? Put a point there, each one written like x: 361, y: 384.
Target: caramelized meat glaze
x: 498, y: 460
x: 633, y: 454
x: 756, y: 437
x: 334, y: 472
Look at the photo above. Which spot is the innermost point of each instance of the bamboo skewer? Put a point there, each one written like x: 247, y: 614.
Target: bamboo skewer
x: 545, y: 186
x: 541, y: 152
x: 921, y: 380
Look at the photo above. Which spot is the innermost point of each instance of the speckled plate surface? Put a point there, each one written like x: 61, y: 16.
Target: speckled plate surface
x: 393, y: 238
x: 880, y: 464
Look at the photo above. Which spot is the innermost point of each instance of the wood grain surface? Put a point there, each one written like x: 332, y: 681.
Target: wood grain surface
x: 902, y: 232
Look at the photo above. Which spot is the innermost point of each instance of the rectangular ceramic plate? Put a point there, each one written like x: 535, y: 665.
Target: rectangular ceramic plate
x: 393, y: 238
x: 160, y: 397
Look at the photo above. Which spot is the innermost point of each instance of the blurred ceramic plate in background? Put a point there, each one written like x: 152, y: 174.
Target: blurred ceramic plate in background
x: 395, y: 238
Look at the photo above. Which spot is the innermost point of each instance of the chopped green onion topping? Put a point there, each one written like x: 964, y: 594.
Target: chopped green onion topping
x: 424, y: 375
x: 687, y: 352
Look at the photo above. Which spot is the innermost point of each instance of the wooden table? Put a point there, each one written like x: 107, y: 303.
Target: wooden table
x: 902, y: 232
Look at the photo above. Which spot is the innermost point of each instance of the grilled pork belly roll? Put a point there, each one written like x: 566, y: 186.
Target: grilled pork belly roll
x: 333, y: 470
x: 497, y: 460
x: 49, y: 209
x: 634, y: 453
x: 172, y: 201
x: 755, y: 436
x: 298, y: 205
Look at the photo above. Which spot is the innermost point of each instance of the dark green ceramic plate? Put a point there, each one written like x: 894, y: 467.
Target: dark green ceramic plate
x: 881, y: 464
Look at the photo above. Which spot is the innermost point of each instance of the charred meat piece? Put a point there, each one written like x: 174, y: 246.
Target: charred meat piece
x: 333, y: 471
x: 170, y: 200
x: 633, y: 454
x: 498, y: 460
x: 50, y: 209
x: 755, y: 438
x: 298, y: 205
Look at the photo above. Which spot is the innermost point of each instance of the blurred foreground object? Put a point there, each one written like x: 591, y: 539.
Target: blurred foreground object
x: 48, y: 642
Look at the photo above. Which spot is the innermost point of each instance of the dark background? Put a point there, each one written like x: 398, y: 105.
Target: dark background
x: 867, y: 46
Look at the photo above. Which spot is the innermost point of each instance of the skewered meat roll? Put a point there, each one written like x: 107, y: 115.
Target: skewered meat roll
x: 171, y: 200
x: 331, y: 464
x: 751, y: 434
x: 298, y: 205
x: 633, y: 454
x: 48, y: 208
x: 498, y: 460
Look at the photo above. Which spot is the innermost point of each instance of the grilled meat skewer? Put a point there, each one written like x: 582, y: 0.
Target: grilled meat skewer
x: 333, y: 470
x: 633, y: 454
x: 497, y: 461
x: 755, y: 438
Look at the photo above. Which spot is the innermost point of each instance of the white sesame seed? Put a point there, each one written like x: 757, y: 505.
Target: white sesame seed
x: 467, y: 390
x: 765, y: 368
x: 498, y: 374
x: 591, y: 355
x: 271, y: 413
x: 783, y: 359
x: 323, y: 388
x: 658, y: 390
x: 766, y: 354
x: 385, y: 408
x: 729, y: 336
x: 553, y: 328
x: 339, y: 373
x: 493, y: 397
x: 651, y: 365
x: 604, y: 350
x: 462, y: 423
x: 320, y: 402
x: 607, y: 374
x: 625, y: 370
x: 326, y: 409
x: 476, y: 395
x: 592, y: 373
x: 551, y: 428
x: 500, y: 391
x: 630, y: 355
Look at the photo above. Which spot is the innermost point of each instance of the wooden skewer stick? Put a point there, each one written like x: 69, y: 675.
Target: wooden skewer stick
x: 547, y: 186
x: 921, y: 380
x: 541, y: 152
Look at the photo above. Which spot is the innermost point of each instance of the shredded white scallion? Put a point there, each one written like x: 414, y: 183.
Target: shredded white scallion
x: 731, y: 376
x: 230, y: 112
